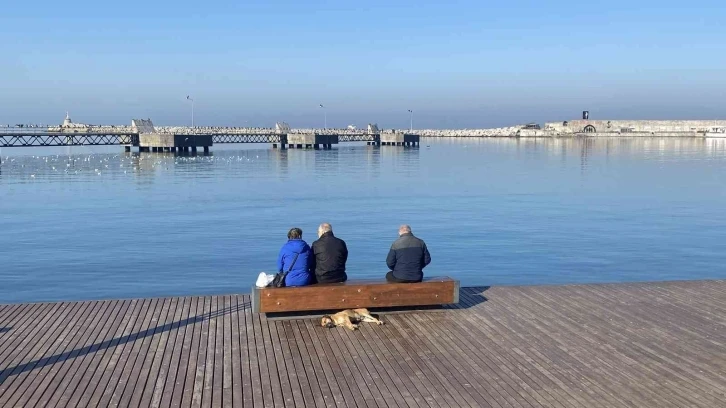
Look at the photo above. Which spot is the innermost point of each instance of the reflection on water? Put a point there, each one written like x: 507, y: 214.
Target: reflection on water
x: 93, y: 222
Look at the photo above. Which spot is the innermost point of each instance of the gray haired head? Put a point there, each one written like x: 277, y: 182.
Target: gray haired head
x: 404, y: 229
x: 323, y: 228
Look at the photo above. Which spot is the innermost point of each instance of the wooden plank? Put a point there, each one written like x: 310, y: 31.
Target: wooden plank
x: 271, y: 387
x: 176, y: 370
x: 94, y: 378
x: 329, y: 390
x: 60, y: 362
x: 486, y: 339
x: 289, y: 364
x: 85, y: 355
x: 361, y: 377
x: 227, y: 379
x: 20, y: 356
x: 246, y: 374
x: 478, y: 362
x: 142, y: 370
x: 8, y: 319
x: 100, y: 352
x: 14, y: 381
x: 236, y: 355
x: 497, y: 349
x: 400, y: 384
x: 273, y: 350
x: 23, y: 332
x: 445, y: 372
x: 616, y: 387
x: 109, y: 380
x: 333, y: 351
x: 330, y: 368
x: 122, y: 379
x: 184, y: 387
x: 551, y: 358
x: 198, y: 390
x: 562, y: 350
x: 212, y: 378
x: 677, y: 370
x: 351, y: 295
x: 166, y: 356
x: 299, y: 369
x: 256, y: 365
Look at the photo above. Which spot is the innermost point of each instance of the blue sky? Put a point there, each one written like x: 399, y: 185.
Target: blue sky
x: 456, y: 64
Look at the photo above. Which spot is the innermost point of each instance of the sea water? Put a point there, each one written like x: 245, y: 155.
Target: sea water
x: 96, y: 223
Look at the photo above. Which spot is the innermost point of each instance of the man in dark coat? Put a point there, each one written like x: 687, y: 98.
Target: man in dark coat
x: 407, y: 257
x: 331, y: 254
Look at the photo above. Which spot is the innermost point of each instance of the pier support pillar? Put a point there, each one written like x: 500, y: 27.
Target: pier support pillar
x: 298, y: 146
x: 194, y: 149
x: 274, y: 145
x: 317, y: 147
x: 127, y: 149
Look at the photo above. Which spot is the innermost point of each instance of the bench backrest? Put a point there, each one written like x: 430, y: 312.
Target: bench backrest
x: 354, y: 294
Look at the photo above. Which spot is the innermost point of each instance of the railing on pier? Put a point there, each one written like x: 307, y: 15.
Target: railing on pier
x: 37, y: 137
x: 363, y: 137
x: 65, y: 139
x: 245, y: 138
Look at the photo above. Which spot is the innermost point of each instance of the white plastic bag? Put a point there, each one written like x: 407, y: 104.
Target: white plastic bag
x: 264, y: 279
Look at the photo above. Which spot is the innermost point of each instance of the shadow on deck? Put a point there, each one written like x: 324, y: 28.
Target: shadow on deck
x: 80, y: 352
x: 472, y: 293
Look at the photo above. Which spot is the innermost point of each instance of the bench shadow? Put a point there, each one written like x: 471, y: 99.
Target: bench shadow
x: 471, y: 297
x: 5, y: 329
x: 93, y: 348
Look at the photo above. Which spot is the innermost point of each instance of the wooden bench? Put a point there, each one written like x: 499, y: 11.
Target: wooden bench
x: 354, y: 294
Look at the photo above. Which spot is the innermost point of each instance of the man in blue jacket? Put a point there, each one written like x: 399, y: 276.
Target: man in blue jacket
x: 407, y: 257
x: 296, y: 259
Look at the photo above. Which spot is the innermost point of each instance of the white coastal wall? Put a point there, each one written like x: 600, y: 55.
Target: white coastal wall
x: 633, y: 126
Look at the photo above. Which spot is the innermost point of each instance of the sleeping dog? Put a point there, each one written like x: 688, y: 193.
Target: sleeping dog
x: 349, y: 318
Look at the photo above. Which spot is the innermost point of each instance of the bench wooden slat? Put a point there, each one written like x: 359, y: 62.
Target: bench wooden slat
x: 355, y: 294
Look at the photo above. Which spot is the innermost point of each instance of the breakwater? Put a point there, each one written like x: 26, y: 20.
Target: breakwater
x: 565, y: 128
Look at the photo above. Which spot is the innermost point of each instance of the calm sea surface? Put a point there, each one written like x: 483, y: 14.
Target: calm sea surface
x: 92, y: 223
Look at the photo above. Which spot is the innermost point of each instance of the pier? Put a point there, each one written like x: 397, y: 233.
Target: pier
x: 612, y: 345
x: 143, y: 135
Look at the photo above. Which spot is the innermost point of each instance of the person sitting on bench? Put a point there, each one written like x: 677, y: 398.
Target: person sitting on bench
x: 407, y: 257
x: 296, y: 259
x: 331, y: 254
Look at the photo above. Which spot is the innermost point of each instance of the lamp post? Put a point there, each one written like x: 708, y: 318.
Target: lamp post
x: 192, y: 100
x: 325, y: 116
x: 411, y: 128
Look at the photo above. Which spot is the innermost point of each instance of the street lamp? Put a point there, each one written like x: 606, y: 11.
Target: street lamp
x: 325, y: 115
x: 411, y: 112
x: 190, y: 99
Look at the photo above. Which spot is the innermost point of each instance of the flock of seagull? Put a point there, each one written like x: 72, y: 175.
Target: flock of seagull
x: 59, y: 166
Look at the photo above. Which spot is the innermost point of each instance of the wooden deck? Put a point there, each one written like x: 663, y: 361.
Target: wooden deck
x: 621, y: 345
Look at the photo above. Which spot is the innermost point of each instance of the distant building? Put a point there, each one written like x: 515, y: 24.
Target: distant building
x: 68, y: 125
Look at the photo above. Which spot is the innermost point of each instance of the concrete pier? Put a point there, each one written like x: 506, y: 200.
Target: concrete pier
x: 160, y: 142
x: 399, y: 139
x: 311, y: 140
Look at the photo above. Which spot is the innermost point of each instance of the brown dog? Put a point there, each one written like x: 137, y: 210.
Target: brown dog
x: 349, y: 318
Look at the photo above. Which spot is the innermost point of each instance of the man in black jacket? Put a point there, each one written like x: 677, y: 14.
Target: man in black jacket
x: 407, y: 257
x: 331, y: 254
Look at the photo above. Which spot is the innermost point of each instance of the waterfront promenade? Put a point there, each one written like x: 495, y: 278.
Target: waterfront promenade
x: 613, y: 345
